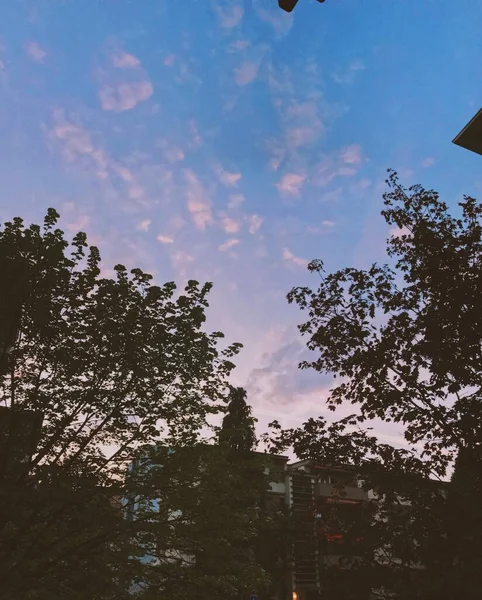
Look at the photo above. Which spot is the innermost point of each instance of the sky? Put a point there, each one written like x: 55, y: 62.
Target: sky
x: 229, y: 141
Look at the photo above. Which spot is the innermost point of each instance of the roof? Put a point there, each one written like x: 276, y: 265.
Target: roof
x: 470, y: 137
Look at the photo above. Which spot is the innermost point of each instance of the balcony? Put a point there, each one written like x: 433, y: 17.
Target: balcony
x: 350, y: 492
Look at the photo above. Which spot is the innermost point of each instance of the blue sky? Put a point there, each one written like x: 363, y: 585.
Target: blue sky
x: 229, y: 141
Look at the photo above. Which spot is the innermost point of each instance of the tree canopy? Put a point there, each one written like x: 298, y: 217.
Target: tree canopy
x: 238, y: 426
x: 404, y: 341
x: 109, y: 365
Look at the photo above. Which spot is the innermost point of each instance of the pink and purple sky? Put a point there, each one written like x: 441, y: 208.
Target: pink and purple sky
x: 229, y: 141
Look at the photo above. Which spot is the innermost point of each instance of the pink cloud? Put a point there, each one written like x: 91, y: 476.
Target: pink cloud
x: 196, y: 139
x: 79, y: 224
x: 428, y: 162
x: 165, y: 239
x: 197, y: 202
x: 122, y: 60
x: 349, y: 75
x: 238, y: 45
x: 302, y: 109
x: 75, y: 143
x: 172, y: 153
x: 125, y: 96
x: 325, y: 226
x: 281, y: 21
x: 342, y: 165
x: 361, y: 186
x: 351, y: 155
x: 226, y: 178
x: 291, y: 259
x: 235, y: 200
x: 255, y: 222
x: 144, y: 225
x: 301, y: 136
x: 246, y: 73
x: 291, y: 184
x: 231, y: 225
x: 397, y: 232
x: 228, y: 244
x: 180, y: 260
x: 229, y: 16
x: 35, y: 51
x: 76, y: 146
x: 170, y: 60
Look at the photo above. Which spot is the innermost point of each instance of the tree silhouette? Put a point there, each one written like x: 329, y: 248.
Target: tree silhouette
x: 405, y: 342
x: 238, y: 426
x: 105, y: 366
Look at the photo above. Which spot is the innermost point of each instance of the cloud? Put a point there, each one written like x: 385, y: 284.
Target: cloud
x: 176, y: 223
x: 180, y: 260
x: 77, y: 147
x: 165, y: 239
x: 291, y: 184
x: 76, y: 144
x: 125, y: 96
x: 170, y: 60
x: 255, y: 222
x: 351, y: 155
x: 428, y: 162
x: 76, y: 220
x: 226, y: 178
x: 144, y: 225
x: 235, y: 200
x: 360, y: 186
x: 122, y: 60
x: 126, y: 85
x: 197, y: 202
x: 228, y: 244
x: 238, y: 46
x: 269, y: 12
x: 229, y: 16
x: 398, y: 232
x: 246, y: 72
x: 171, y: 153
x: 325, y: 226
x: 302, y: 114
x: 349, y: 75
x: 291, y: 259
x: 279, y: 381
x: 196, y: 139
x: 35, y: 52
x: 231, y: 225
x: 342, y: 164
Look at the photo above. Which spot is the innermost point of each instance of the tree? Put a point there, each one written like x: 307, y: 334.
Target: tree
x: 197, y: 524
x: 237, y: 430
x: 110, y: 365
x: 404, y: 342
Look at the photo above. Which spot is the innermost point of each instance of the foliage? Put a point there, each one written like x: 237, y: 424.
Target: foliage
x: 404, y: 342
x: 197, y: 523
x: 237, y: 429
x: 110, y: 364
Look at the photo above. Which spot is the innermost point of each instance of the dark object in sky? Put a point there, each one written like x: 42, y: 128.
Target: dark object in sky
x: 470, y: 137
x: 288, y: 5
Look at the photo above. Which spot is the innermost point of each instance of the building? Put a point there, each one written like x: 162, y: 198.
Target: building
x: 306, y: 489
x: 470, y: 137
